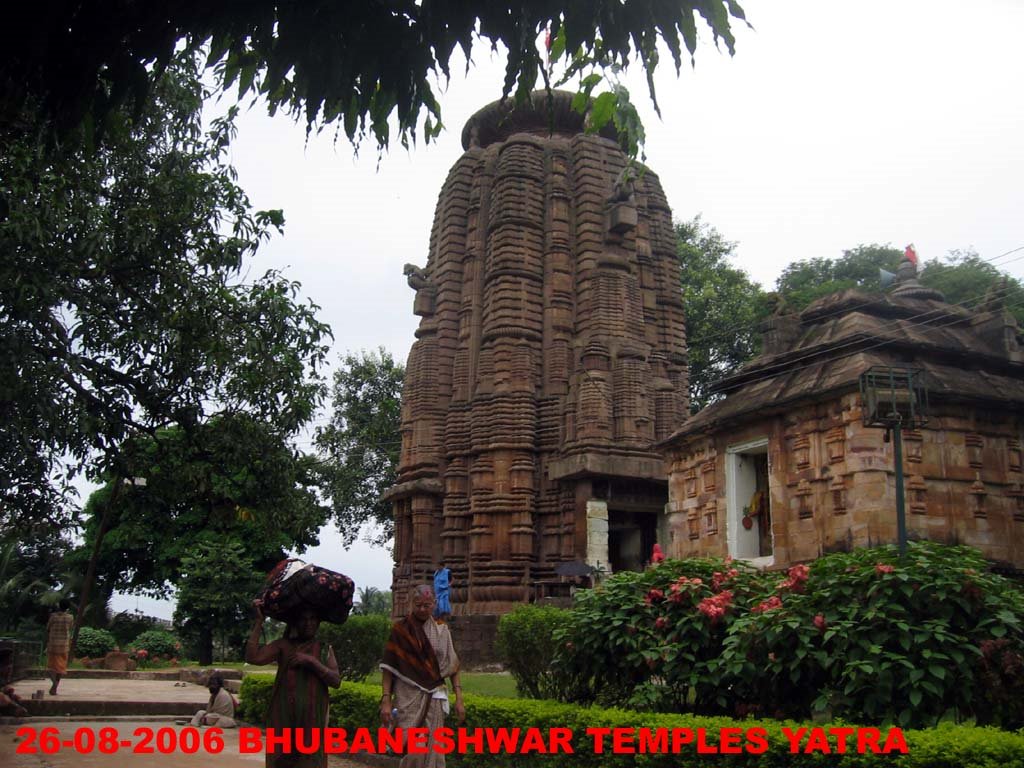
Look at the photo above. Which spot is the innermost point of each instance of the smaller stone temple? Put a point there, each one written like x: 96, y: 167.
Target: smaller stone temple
x: 549, y: 359
x: 783, y: 470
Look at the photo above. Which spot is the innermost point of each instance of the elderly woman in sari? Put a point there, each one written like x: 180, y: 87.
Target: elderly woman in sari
x: 418, y: 656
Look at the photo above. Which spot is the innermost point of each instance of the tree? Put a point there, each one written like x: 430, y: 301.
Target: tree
x: 372, y: 601
x: 215, y: 592
x: 353, y: 64
x: 29, y: 580
x: 122, y: 310
x: 235, y: 477
x: 723, y: 307
x: 804, y: 281
x: 362, y: 442
x: 962, y: 276
x: 965, y: 278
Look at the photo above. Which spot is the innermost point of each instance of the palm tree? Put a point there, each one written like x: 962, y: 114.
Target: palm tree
x: 372, y: 601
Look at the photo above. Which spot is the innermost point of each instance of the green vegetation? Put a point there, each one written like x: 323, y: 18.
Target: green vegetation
x: 864, y: 636
x: 947, y: 746
x: 94, y: 643
x: 358, y: 644
x: 359, y: 66
x: 361, y: 443
x: 489, y: 684
x: 526, y: 644
x: 723, y: 308
x: 158, y: 642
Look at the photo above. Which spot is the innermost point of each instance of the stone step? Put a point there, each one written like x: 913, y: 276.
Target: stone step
x: 188, y: 674
x: 55, y: 706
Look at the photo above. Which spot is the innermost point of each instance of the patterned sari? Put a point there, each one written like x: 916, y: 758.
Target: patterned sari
x: 299, y: 700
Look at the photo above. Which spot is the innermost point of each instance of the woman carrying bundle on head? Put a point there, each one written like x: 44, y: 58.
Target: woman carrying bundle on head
x: 305, y: 669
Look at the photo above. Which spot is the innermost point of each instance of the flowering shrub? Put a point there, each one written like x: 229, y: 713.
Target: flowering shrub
x: 649, y: 640
x: 863, y: 636
x: 871, y: 638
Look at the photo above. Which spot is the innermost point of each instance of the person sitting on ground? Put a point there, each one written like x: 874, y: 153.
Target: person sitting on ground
x: 221, y: 709
x: 10, y: 703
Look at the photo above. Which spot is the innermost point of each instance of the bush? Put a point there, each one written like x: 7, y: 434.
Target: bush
x: 355, y: 706
x: 94, y: 643
x: 127, y: 626
x: 863, y: 635
x: 358, y: 644
x: 879, y: 639
x: 650, y: 640
x: 157, y: 642
x: 526, y: 644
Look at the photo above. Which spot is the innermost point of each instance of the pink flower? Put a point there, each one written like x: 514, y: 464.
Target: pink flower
x: 142, y: 653
x: 714, y: 607
x: 718, y: 578
x: 661, y: 622
x: 799, y: 572
x: 796, y: 576
x: 820, y: 623
x: 653, y: 595
x: 770, y: 604
x: 881, y: 568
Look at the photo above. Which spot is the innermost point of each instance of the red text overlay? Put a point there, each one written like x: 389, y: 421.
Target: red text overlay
x: 619, y: 741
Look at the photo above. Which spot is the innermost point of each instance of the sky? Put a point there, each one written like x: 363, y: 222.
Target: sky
x: 835, y: 124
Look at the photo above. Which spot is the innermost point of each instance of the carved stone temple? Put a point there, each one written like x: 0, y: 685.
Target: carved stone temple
x: 783, y: 470
x: 549, y: 361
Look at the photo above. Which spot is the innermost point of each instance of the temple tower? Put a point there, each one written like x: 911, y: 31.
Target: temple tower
x: 549, y: 359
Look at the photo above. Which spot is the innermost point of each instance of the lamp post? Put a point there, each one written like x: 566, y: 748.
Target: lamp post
x: 895, y: 399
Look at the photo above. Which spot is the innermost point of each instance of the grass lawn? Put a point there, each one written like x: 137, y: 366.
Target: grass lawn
x: 497, y: 684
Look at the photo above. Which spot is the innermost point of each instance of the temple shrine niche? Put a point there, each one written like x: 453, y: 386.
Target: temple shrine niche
x: 549, y: 360
x: 796, y: 472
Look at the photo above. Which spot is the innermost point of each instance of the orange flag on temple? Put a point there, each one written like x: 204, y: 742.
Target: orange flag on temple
x: 910, y: 254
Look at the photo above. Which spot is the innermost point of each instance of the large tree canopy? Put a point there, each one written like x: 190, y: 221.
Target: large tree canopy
x: 723, y: 306
x: 362, y: 441
x: 122, y: 305
x: 804, y: 281
x: 351, y: 63
x: 235, y: 478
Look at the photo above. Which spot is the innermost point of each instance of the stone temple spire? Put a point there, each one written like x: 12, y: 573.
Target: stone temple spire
x: 549, y: 359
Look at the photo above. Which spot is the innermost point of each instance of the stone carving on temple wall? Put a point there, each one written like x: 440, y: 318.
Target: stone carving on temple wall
x: 962, y: 468
x: 550, y: 351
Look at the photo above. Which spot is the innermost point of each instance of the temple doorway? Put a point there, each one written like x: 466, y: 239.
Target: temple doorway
x: 749, y: 501
x: 631, y: 537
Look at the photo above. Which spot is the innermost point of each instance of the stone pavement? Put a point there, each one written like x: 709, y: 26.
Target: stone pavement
x: 93, y: 704
x: 105, y: 697
x: 228, y: 757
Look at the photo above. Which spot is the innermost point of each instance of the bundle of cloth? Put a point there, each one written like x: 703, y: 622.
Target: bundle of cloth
x: 294, y: 584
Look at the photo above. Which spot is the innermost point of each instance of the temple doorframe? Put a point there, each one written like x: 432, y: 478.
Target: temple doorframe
x: 734, y: 504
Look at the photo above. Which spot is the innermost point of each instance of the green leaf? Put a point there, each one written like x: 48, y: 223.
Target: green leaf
x: 602, y: 111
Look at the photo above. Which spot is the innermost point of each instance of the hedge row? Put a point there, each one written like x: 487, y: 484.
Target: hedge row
x: 355, y: 705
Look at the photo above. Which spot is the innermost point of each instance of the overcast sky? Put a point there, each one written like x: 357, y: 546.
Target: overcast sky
x: 835, y: 124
